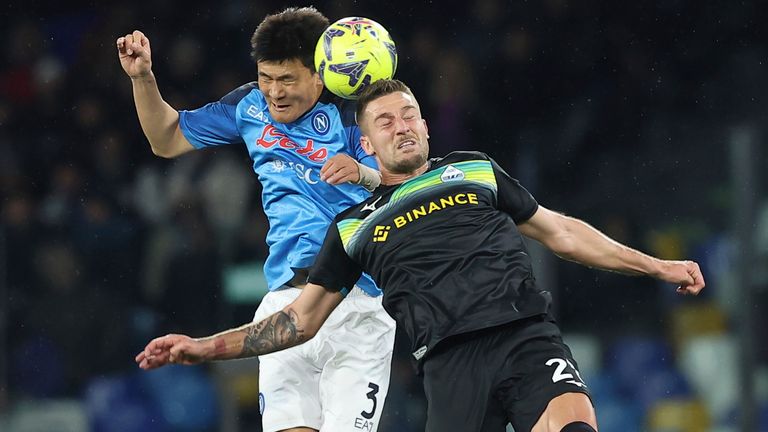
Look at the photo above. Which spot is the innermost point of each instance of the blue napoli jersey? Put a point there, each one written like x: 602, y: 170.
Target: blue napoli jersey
x: 287, y: 159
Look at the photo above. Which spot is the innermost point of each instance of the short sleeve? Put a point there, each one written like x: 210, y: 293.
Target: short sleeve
x: 513, y: 198
x: 333, y: 268
x: 215, y: 123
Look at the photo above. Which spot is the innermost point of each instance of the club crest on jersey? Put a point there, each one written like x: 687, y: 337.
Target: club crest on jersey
x: 452, y: 173
x: 261, y: 403
x: 321, y: 123
x: 271, y: 136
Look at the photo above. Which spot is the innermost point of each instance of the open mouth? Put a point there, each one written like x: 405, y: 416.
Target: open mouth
x: 406, y: 144
x: 280, y: 108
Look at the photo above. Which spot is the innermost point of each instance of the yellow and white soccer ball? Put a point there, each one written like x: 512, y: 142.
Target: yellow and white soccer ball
x: 352, y: 53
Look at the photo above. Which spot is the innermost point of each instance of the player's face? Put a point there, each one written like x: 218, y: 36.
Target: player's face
x: 395, y: 132
x: 290, y: 88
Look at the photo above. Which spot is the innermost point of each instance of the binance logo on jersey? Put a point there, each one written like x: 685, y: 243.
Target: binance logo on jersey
x: 433, y: 206
x: 380, y: 233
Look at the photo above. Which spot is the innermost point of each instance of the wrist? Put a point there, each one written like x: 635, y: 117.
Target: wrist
x: 369, y: 178
x: 147, y: 77
x: 213, y: 348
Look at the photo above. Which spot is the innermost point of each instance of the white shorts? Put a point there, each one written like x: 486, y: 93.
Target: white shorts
x: 338, y: 380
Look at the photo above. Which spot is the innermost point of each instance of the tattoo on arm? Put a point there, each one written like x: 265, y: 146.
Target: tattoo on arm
x: 274, y: 333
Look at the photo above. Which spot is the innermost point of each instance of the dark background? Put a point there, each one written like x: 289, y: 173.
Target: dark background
x: 630, y: 115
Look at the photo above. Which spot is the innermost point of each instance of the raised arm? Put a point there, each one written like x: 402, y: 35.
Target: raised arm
x: 159, y: 120
x: 295, y: 324
x: 577, y: 241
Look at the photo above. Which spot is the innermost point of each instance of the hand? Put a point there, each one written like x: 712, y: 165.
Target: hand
x: 686, y: 274
x: 172, y: 348
x: 135, y: 54
x: 339, y: 169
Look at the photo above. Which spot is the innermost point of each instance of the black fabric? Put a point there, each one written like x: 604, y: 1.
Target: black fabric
x: 448, y: 257
x: 481, y: 381
x: 577, y: 427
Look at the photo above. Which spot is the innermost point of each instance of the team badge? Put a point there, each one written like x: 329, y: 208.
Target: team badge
x: 320, y: 122
x: 261, y: 403
x: 452, y: 173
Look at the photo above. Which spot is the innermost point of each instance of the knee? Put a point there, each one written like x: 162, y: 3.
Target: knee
x: 577, y: 427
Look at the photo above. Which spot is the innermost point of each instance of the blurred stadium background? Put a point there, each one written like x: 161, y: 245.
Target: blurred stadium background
x: 648, y: 119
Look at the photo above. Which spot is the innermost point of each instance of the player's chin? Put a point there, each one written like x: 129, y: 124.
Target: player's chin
x: 283, y: 116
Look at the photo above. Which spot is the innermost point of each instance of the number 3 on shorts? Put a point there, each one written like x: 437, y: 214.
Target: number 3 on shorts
x: 372, y: 396
x: 560, y: 375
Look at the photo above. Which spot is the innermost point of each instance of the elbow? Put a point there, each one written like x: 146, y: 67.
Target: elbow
x: 162, y: 152
x: 564, y: 248
x: 310, y: 332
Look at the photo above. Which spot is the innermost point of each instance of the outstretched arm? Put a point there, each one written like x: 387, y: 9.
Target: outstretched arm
x: 295, y: 324
x: 159, y: 120
x: 577, y: 241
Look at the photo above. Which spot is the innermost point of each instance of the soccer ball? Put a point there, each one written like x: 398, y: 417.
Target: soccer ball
x: 352, y: 53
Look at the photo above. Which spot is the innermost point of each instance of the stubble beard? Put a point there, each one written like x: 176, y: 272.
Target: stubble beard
x: 409, y: 165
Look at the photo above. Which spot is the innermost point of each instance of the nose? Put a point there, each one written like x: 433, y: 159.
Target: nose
x: 275, y: 91
x: 401, y: 126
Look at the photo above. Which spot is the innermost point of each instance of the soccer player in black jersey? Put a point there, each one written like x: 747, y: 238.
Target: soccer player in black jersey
x: 443, y: 238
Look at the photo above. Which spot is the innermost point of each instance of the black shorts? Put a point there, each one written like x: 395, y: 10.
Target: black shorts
x: 483, y: 380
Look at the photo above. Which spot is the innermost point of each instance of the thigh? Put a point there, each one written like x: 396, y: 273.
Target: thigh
x: 288, y: 391
x: 541, y: 369
x: 354, y: 348
x: 288, y: 381
x: 458, y: 384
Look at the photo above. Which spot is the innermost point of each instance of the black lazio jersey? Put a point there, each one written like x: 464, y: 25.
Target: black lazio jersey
x: 444, y: 248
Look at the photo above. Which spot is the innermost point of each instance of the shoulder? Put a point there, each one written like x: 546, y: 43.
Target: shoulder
x: 459, y: 156
x: 235, y: 96
x: 345, y: 107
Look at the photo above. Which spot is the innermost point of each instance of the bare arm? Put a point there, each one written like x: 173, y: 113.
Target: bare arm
x: 159, y: 120
x: 295, y: 324
x: 577, y: 241
x: 343, y: 168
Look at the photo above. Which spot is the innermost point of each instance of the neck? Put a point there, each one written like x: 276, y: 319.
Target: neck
x: 390, y: 178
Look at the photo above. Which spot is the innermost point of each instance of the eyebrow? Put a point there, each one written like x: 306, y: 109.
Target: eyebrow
x: 279, y: 77
x: 388, y: 115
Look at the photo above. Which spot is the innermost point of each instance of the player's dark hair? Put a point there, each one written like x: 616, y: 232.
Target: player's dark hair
x: 376, y: 90
x: 290, y: 34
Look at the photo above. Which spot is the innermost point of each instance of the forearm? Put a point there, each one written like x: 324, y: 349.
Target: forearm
x: 159, y: 120
x: 277, y: 332
x: 588, y: 246
x: 370, y: 178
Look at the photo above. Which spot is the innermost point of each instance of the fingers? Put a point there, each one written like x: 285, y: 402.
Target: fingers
x: 694, y: 282
x: 135, y: 42
x: 157, y: 353
x: 121, y: 45
x: 340, y: 175
x: 340, y: 169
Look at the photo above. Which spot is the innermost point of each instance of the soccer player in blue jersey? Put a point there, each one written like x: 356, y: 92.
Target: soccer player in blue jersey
x: 306, y: 152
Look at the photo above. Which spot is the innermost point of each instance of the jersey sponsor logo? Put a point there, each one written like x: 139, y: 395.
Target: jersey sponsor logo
x: 380, y: 233
x: 272, y: 136
x: 321, y: 123
x: 301, y: 171
x: 433, y: 206
x: 452, y: 173
x: 256, y: 113
x: 371, y: 206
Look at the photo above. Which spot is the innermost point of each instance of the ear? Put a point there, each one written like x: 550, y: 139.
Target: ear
x: 425, y: 126
x: 316, y: 78
x: 366, y: 143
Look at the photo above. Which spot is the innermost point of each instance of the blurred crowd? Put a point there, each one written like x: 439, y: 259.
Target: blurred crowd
x: 622, y: 114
